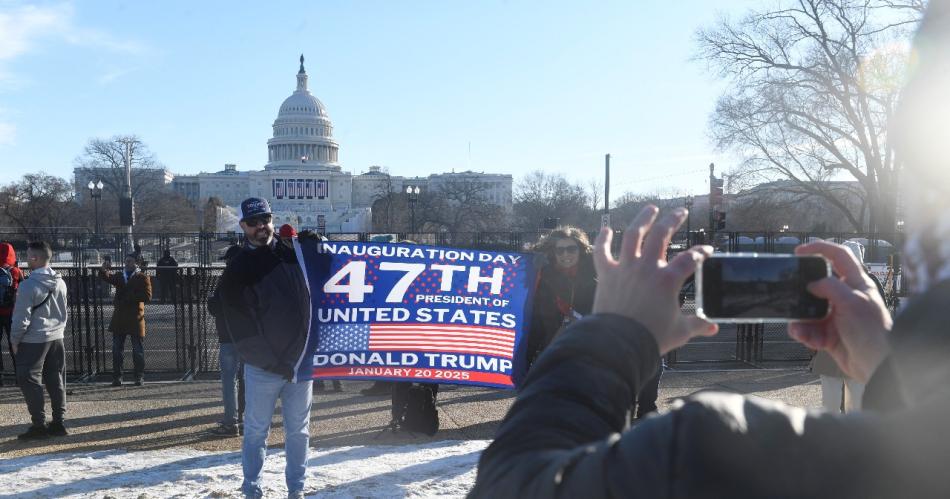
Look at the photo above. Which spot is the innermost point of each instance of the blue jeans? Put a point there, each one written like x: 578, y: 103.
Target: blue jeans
x: 232, y: 392
x: 262, y: 389
x: 138, y: 355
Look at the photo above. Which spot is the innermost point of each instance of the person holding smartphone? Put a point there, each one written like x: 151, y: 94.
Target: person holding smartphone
x: 564, y: 436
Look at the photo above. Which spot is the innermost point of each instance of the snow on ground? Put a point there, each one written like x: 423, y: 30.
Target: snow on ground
x: 445, y: 468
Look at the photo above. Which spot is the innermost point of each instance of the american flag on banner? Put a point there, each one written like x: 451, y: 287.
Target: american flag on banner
x: 448, y: 338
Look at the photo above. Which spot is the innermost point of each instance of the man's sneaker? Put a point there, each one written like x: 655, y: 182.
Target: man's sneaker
x: 57, y: 429
x: 139, y: 381
x: 225, y: 430
x: 36, y: 432
x: 116, y: 381
x: 297, y: 494
x: 337, y: 386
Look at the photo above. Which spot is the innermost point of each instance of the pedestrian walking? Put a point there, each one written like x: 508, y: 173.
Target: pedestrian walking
x: 132, y: 289
x: 266, y: 309
x: 39, y: 319
x: 10, y: 277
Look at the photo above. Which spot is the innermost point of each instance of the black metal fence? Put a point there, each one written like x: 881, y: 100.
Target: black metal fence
x: 204, y: 248
x: 182, y: 341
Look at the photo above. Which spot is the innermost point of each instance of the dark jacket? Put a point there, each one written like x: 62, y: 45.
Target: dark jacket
x: 556, y: 296
x: 265, y: 304
x: 166, y: 268
x: 565, y: 437
x: 128, y: 315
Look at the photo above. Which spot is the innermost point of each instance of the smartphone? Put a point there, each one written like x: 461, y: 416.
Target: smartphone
x: 756, y: 288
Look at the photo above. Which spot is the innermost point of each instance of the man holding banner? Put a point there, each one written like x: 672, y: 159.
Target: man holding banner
x: 266, y: 309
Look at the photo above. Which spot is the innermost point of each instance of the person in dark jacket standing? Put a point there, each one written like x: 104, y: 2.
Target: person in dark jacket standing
x: 232, y: 379
x: 565, y: 289
x: 10, y: 277
x: 167, y: 270
x: 266, y: 308
x: 132, y: 289
x: 39, y: 319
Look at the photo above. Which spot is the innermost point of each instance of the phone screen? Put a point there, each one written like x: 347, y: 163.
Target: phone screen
x: 755, y: 289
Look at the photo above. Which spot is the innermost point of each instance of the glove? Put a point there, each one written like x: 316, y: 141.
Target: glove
x: 310, y: 234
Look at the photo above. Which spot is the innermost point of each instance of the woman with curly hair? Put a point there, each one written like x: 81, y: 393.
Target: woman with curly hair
x: 565, y: 287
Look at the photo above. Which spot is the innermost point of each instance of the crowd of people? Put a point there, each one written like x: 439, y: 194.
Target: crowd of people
x: 601, y: 323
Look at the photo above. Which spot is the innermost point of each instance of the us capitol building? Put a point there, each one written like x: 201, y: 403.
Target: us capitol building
x: 303, y: 179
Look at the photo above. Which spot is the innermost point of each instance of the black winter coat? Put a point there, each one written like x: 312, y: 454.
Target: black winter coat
x: 265, y: 304
x: 565, y: 436
x: 576, y: 293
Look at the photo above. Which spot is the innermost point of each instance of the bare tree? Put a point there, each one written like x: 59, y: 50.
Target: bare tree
x: 812, y: 85
x: 540, y: 195
x: 384, y: 204
x: 595, y: 189
x: 459, y: 206
x: 626, y: 207
x: 155, y: 207
x: 109, y: 157
x: 210, y: 214
x: 39, y: 204
x: 769, y: 207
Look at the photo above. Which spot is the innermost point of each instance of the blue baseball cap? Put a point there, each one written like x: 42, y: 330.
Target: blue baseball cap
x: 251, y: 207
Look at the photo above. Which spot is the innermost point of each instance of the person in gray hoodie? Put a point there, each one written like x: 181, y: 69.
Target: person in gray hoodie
x: 37, y: 325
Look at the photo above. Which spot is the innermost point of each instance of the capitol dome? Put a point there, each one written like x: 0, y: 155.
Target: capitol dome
x: 303, y: 133
x: 302, y: 103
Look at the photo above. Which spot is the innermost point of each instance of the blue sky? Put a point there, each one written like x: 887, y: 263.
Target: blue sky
x: 548, y: 85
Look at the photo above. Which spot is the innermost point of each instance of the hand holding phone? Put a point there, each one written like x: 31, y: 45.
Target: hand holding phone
x: 855, y: 332
x: 755, y: 288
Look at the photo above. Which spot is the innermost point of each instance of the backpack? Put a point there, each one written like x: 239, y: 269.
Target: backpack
x: 7, y: 291
x: 414, y: 409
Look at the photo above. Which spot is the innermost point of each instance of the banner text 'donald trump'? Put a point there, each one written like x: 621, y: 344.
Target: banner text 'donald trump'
x: 415, y: 313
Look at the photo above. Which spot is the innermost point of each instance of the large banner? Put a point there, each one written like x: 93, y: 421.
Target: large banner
x: 404, y: 312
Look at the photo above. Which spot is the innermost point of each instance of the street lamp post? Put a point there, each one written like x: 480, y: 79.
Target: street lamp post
x: 413, y: 193
x: 95, y: 191
x: 689, y: 214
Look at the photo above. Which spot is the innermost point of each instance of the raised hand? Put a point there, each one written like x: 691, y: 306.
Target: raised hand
x: 642, y: 285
